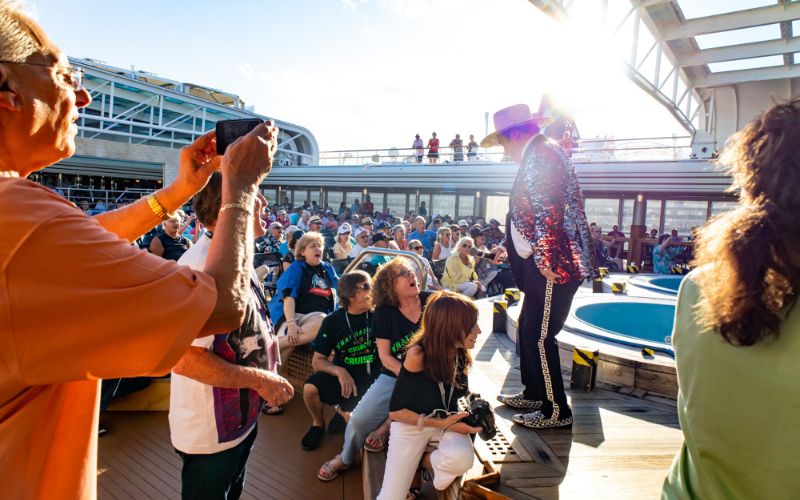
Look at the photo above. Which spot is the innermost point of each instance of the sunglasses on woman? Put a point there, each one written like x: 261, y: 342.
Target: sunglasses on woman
x: 364, y: 286
x: 415, y: 248
x: 405, y: 272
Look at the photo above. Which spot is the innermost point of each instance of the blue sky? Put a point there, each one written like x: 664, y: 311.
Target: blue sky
x: 365, y: 73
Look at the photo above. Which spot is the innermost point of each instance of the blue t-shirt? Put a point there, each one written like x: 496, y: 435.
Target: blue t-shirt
x: 428, y: 238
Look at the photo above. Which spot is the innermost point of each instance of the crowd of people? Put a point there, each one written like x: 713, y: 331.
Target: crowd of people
x: 82, y: 303
x: 456, y: 147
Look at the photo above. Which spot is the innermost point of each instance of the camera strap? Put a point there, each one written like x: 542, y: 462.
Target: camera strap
x: 449, y: 398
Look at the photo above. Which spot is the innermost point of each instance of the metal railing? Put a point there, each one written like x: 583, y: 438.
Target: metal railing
x: 109, y: 197
x: 422, y: 273
x: 584, y: 151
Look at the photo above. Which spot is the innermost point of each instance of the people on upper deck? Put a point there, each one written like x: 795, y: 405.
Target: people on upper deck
x: 737, y: 327
x: 343, y: 245
x: 226, y: 374
x: 424, y: 402
x: 345, y: 361
x: 457, y: 145
x: 442, y: 248
x: 120, y: 312
x: 472, y: 148
x: 355, y: 208
x: 419, y: 148
x: 305, y: 295
x: 433, y: 149
x: 398, y: 312
x: 567, y: 143
x: 459, y: 270
x: 168, y: 243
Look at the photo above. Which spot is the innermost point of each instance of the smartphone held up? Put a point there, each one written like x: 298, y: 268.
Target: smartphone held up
x: 230, y: 130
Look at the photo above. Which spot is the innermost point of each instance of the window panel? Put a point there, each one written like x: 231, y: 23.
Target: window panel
x: 683, y: 215
x: 720, y: 207
x: 443, y: 204
x: 335, y: 199
x: 602, y: 211
x: 466, y: 205
x: 396, y: 203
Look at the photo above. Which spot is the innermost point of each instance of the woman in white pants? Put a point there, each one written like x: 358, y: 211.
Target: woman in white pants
x: 424, y: 402
x: 459, y: 269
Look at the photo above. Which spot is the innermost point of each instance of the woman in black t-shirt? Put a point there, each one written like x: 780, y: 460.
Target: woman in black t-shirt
x: 424, y: 402
x: 398, y: 312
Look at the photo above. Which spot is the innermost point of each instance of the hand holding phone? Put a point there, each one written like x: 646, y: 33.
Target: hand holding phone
x: 230, y: 130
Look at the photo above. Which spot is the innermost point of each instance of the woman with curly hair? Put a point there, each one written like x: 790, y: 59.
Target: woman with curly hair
x: 424, y: 404
x: 398, y: 312
x: 737, y: 333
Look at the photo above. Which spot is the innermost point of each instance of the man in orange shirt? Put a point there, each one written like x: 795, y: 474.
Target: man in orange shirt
x: 77, y: 302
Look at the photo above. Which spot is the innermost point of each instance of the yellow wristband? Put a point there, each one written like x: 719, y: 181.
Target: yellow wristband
x: 157, y: 208
x: 240, y: 206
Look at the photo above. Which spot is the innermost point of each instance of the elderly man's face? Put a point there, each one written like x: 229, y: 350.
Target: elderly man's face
x: 40, y: 106
x: 171, y: 226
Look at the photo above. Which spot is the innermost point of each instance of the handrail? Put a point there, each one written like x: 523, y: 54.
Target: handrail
x: 422, y: 273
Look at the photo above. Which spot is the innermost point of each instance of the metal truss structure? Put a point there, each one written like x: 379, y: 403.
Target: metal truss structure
x: 141, y: 108
x: 665, y: 59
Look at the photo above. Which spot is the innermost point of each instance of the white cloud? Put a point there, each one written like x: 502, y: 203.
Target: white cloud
x: 350, y: 5
x: 247, y: 71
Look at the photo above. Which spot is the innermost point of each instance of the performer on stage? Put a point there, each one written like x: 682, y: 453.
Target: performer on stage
x: 551, y: 254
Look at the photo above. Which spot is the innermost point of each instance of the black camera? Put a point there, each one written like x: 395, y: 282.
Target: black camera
x: 480, y: 415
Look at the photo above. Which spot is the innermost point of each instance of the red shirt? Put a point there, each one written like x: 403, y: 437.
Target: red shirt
x: 433, y: 145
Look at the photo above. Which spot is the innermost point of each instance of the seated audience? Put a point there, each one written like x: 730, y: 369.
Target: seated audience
x: 362, y: 242
x: 601, y: 246
x: 666, y: 252
x: 425, y: 236
x: 431, y: 281
x: 273, y: 239
x: 227, y: 374
x: 379, y: 240
x: 424, y: 403
x: 459, y: 270
x: 442, y: 248
x: 398, y: 312
x: 291, y: 246
x: 617, y: 242
x: 494, y: 235
x: 399, y: 235
x: 169, y: 244
x: 343, y: 246
x: 344, y: 359
x: 304, y: 295
x: 737, y: 328
x: 315, y: 224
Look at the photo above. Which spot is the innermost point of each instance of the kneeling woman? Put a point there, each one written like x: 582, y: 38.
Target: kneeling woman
x: 424, y: 403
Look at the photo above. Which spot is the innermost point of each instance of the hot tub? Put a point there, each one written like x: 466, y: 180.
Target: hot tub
x: 633, y: 321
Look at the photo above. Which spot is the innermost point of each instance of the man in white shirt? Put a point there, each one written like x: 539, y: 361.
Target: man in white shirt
x: 217, y: 387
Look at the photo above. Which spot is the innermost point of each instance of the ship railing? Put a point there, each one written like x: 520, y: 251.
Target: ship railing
x: 583, y: 151
x: 419, y: 262
x: 108, y: 197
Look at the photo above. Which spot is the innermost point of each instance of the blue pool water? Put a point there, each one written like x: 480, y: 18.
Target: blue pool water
x: 637, y: 323
x: 666, y: 284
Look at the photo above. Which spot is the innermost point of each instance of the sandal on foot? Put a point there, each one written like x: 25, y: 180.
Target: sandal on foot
x: 312, y: 438
x: 381, y: 439
x: 272, y: 410
x: 328, y: 472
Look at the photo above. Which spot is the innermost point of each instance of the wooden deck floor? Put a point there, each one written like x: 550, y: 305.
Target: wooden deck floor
x: 620, y: 447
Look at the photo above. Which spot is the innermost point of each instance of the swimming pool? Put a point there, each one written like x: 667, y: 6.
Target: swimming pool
x: 633, y: 321
x: 659, y: 283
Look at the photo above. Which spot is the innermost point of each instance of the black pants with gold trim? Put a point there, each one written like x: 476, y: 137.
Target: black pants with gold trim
x: 544, y: 311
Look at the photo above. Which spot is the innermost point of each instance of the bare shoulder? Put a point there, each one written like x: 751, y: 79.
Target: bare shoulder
x: 415, y: 359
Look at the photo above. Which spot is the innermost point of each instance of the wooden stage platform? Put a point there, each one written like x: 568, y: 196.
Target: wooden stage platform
x: 620, y: 446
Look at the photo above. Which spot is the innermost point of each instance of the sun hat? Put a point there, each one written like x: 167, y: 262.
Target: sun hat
x: 344, y: 228
x: 366, y: 220
x: 462, y: 223
x: 276, y: 225
x: 513, y: 117
x: 315, y: 220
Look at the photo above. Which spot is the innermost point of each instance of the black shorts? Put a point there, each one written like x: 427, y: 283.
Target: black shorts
x: 330, y: 392
x: 433, y: 155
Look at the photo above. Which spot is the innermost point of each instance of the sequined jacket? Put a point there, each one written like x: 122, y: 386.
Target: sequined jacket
x: 546, y: 207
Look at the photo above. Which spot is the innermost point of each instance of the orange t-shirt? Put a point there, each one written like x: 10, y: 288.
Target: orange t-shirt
x: 77, y: 304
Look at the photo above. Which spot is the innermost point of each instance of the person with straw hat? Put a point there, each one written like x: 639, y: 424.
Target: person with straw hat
x: 549, y: 247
